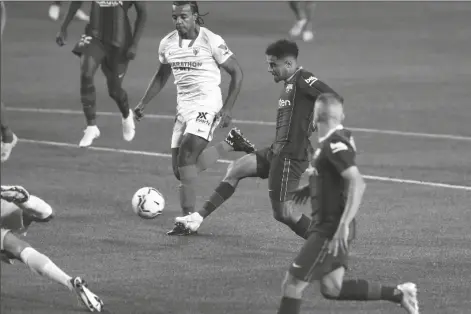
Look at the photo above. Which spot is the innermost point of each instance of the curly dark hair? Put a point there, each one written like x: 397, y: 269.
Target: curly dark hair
x: 194, y: 9
x: 282, y: 48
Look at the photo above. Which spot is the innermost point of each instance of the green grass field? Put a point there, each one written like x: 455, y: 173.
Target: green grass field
x: 400, y: 66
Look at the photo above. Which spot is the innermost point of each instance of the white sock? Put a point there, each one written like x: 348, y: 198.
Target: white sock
x: 36, y: 207
x: 42, y: 265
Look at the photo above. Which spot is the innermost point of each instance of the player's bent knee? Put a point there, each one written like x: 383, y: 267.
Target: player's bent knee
x: 331, y: 284
x: 190, y: 148
x: 282, y: 211
x: 13, y: 245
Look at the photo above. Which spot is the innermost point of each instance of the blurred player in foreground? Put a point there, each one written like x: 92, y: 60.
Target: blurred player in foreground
x: 8, y: 138
x: 194, y: 54
x: 340, y: 188
x: 55, y: 12
x: 18, y: 211
x: 108, y: 42
x: 303, y: 13
x: 284, y: 162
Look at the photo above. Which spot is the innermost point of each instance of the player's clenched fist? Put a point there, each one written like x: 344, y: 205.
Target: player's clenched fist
x: 61, y: 38
x: 139, y: 112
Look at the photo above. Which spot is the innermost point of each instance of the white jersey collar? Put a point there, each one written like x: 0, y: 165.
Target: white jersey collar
x: 331, y: 131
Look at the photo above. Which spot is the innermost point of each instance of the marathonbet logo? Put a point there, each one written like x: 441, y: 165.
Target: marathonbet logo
x: 108, y: 4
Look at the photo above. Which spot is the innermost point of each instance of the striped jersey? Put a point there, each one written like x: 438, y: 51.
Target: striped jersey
x: 109, y: 22
x: 295, y: 114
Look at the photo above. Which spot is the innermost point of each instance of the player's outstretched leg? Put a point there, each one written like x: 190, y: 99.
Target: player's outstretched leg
x: 88, y: 67
x: 42, y: 265
x: 114, y: 68
x: 243, y: 167
x: 235, y: 141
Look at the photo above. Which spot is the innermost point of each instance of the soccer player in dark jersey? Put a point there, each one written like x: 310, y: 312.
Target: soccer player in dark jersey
x: 339, y: 191
x: 284, y: 162
x: 108, y: 42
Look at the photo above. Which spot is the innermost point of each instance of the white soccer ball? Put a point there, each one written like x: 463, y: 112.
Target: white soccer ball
x: 148, y: 203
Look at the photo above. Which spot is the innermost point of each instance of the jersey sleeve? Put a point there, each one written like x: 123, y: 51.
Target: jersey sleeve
x: 162, y: 46
x: 312, y: 87
x: 341, y: 155
x: 219, y: 49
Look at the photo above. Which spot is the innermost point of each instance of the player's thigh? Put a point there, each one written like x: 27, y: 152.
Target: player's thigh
x: 115, y: 64
x: 244, y: 167
x: 263, y: 159
x: 179, y: 126
x: 201, y: 123
x: 309, y: 264
x: 191, y: 147
x: 91, y: 52
x: 284, y: 177
x: 12, y: 244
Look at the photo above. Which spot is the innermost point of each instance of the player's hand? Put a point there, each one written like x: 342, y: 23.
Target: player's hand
x: 132, y: 51
x: 225, y: 118
x: 311, y: 171
x: 340, y: 240
x: 61, y: 37
x: 139, y: 112
x: 301, y: 195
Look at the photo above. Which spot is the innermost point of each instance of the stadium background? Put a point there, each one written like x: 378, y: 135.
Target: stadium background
x: 400, y: 66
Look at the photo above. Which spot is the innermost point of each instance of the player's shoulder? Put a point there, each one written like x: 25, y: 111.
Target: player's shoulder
x: 306, y: 77
x: 340, y: 140
x: 168, y: 39
x: 210, y: 38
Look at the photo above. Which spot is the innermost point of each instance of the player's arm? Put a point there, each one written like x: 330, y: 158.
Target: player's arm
x: 313, y: 87
x: 140, y: 22
x: 156, y: 84
x: 232, y: 67
x: 73, y: 8
x: 342, y: 156
x: 3, y: 16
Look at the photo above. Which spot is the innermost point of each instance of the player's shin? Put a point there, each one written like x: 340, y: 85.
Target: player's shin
x: 221, y: 194
x: 88, y: 96
x: 42, y: 265
x: 210, y: 155
x: 188, y: 175
x: 362, y: 290
x: 290, y: 306
x: 119, y: 95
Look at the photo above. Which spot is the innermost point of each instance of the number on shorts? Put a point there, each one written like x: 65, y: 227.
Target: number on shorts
x: 85, y: 40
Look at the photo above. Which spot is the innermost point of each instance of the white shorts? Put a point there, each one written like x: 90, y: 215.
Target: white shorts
x: 12, y: 219
x: 197, y: 121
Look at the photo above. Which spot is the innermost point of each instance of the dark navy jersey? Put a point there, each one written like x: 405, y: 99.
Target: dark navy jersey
x: 335, y: 154
x: 295, y: 114
x: 109, y: 22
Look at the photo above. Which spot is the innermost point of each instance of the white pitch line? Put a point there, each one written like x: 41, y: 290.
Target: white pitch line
x: 163, y: 155
x: 249, y: 122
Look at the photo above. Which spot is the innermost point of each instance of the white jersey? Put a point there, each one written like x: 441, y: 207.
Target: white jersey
x: 195, y: 65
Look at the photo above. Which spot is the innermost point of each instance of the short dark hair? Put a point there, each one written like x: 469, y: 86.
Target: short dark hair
x: 194, y: 9
x: 283, y: 48
x: 330, y: 98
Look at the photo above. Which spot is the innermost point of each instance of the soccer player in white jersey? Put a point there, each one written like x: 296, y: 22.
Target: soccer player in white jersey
x: 194, y: 54
x: 18, y: 210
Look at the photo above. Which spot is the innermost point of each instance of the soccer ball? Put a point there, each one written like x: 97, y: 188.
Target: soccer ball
x: 148, y: 203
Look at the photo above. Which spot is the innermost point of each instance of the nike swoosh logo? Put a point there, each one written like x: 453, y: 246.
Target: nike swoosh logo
x: 121, y: 75
x: 296, y: 265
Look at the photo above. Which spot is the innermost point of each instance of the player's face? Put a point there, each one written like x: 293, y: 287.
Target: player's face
x: 183, y: 18
x: 279, y: 68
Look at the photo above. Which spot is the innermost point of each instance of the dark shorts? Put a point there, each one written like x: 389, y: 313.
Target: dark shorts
x: 314, y: 261
x: 112, y: 59
x: 283, y: 173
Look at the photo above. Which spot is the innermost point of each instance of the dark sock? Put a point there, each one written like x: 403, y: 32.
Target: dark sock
x: 223, y: 192
x: 362, y: 290
x: 302, y: 226
x: 290, y: 306
x: 210, y: 155
x: 188, y: 175
x: 88, y: 95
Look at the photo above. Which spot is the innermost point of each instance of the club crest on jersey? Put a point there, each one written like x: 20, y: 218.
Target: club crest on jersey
x: 107, y: 4
x: 337, y: 147
x: 289, y: 88
x: 196, y: 50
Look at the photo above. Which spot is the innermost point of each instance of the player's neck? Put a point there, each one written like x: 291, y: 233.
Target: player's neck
x: 325, y: 129
x: 191, y: 34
